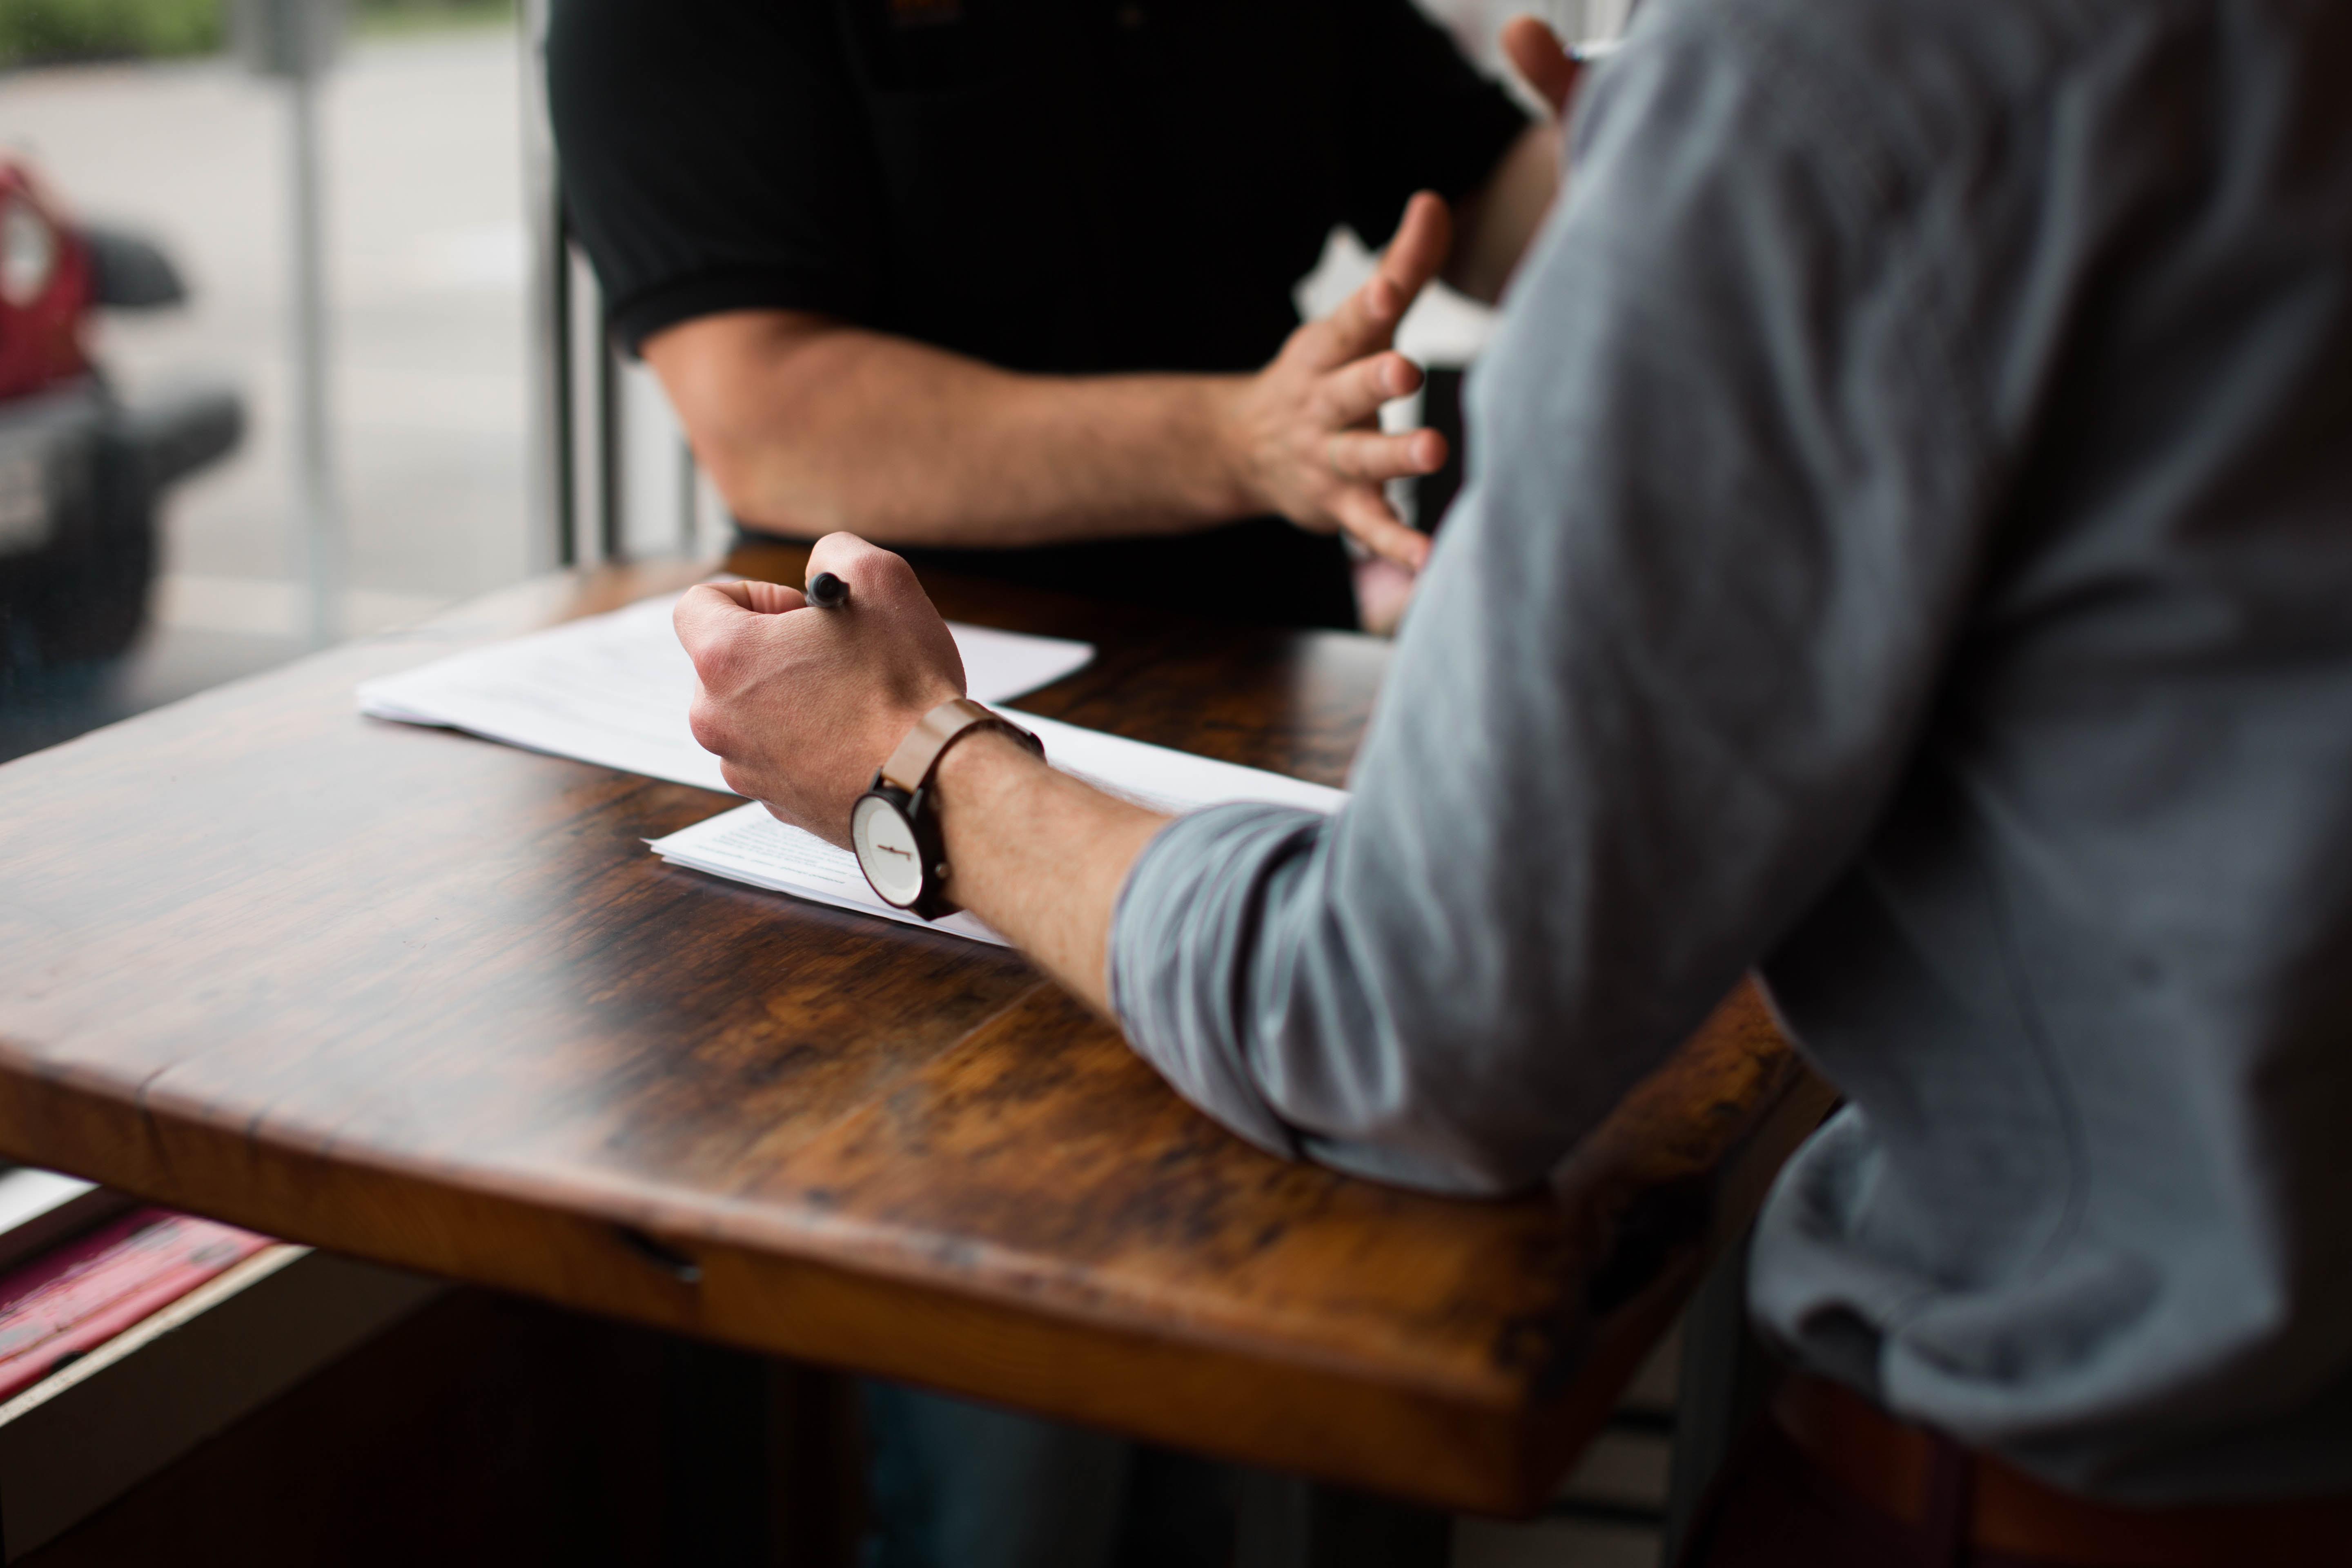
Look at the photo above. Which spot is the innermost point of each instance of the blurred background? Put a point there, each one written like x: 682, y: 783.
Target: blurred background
x: 137, y: 118
x: 133, y: 116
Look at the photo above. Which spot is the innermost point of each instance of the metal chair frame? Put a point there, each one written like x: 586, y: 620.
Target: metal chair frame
x: 563, y: 305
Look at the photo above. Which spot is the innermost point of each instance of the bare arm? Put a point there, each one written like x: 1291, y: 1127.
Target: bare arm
x: 809, y: 424
x: 1494, y: 225
x: 1039, y: 855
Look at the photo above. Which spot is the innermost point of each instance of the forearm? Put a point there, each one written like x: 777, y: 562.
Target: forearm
x: 1039, y: 855
x: 810, y: 429
x: 1046, y: 859
x: 1494, y: 226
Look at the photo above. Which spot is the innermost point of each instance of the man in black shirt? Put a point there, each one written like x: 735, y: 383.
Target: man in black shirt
x: 1006, y: 284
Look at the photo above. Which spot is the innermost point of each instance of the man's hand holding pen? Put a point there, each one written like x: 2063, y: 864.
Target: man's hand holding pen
x: 802, y: 705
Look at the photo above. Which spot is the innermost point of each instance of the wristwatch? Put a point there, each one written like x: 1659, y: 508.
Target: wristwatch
x: 893, y: 827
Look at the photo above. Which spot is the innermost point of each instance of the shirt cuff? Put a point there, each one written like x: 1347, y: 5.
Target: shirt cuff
x: 1183, y: 938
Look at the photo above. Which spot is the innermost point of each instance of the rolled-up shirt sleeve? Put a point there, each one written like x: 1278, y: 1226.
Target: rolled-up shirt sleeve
x: 1665, y: 668
x: 1200, y: 887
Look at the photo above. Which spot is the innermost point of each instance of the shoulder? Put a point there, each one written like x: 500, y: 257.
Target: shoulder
x: 1875, y: 98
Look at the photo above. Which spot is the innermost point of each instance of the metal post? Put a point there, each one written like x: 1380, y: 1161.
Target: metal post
x: 611, y: 458
x: 318, y: 513
x: 554, y: 489
x: 296, y: 41
x: 564, y: 390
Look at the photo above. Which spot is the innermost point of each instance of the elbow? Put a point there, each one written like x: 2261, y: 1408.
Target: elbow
x: 1453, y: 1140
x: 754, y: 449
x: 764, y: 481
x: 739, y: 388
x: 1396, y: 1081
x: 1312, y: 1030
x: 1453, y: 1173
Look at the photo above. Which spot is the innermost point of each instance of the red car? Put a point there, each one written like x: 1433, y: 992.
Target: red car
x: 82, y: 469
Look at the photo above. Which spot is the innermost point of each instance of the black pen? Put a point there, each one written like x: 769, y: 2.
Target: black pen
x: 827, y: 592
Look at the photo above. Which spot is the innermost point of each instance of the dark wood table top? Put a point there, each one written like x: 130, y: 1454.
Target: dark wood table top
x: 428, y: 999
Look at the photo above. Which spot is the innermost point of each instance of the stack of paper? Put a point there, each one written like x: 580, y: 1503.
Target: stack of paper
x: 614, y: 689
x: 747, y: 845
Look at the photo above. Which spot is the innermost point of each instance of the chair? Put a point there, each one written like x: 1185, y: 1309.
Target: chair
x: 579, y: 470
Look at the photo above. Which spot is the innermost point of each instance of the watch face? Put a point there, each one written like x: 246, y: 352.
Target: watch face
x: 884, y: 842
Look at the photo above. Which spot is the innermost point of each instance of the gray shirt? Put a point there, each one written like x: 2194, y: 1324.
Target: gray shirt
x: 1908, y: 548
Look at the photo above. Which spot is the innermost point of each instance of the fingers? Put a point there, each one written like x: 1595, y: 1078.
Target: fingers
x: 1536, y: 53
x: 868, y: 569
x: 1367, y: 521
x: 761, y: 598
x: 708, y: 615
x: 1354, y: 393
x: 770, y: 598
x: 855, y: 561
x: 1368, y: 456
x: 1419, y: 248
x: 1368, y: 318
x: 881, y: 580
x: 713, y: 620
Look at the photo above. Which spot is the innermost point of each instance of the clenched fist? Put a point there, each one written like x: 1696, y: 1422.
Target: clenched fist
x: 801, y: 705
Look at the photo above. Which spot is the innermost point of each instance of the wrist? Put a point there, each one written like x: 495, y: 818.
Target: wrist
x: 897, y: 827
x: 1219, y: 433
x: 977, y: 768
x: 970, y: 786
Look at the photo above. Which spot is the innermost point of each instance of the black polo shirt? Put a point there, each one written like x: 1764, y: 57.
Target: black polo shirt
x: 1063, y: 186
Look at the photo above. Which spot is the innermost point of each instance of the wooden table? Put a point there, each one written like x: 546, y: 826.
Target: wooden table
x: 428, y: 1000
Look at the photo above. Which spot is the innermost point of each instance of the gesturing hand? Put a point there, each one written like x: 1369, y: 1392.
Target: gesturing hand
x: 1304, y: 433
x: 1536, y: 53
x: 802, y: 705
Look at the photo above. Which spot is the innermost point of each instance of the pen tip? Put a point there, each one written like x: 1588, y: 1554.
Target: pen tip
x: 827, y: 592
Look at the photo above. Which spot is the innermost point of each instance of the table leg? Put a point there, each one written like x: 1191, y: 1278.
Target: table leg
x: 715, y: 1485
x: 1726, y: 1376
x: 1285, y: 1521
x: 763, y: 1461
x: 816, y: 1455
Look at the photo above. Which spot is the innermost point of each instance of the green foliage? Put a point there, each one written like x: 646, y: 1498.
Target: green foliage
x: 378, y: 17
x: 32, y: 31
x: 86, y: 29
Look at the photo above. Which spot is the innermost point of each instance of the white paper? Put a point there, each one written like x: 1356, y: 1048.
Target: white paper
x: 747, y: 845
x: 1166, y: 780
x: 614, y: 689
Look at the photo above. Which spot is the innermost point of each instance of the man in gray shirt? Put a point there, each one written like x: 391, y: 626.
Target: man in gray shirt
x: 1908, y: 551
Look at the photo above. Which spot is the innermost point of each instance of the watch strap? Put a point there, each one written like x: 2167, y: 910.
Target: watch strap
x: 911, y: 764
